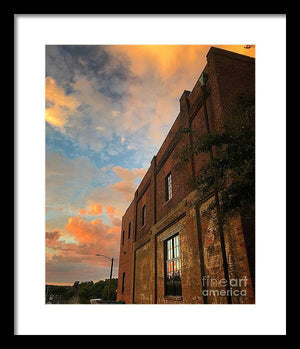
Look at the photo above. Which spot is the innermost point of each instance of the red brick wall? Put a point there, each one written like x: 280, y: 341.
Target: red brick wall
x: 175, y: 127
x: 237, y: 259
x: 180, y: 186
x: 143, y: 291
x: 126, y: 255
x: 234, y: 74
x: 146, y: 199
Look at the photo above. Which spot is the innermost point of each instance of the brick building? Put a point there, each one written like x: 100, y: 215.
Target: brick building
x: 170, y: 249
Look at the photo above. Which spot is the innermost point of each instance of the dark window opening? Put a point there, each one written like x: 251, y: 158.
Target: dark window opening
x: 168, y: 186
x: 123, y: 282
x: 172, y: 267
x: 123, y: 233
x: 143, y: 215
x: 129, y: 230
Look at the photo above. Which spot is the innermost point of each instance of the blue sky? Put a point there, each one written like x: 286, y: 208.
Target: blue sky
x: 108, y: 110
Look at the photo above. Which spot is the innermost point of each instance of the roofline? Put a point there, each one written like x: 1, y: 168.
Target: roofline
x: 230, y: 54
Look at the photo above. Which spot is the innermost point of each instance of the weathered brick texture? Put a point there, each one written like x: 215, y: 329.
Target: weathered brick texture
x: 142, y: 256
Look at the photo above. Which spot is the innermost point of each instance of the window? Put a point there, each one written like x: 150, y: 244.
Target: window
x: 123, y: 282
x: 168, y: 186
x: 123, y: 233
x: 143, y: 215
x: 172, y: 267
x: 129, y: 230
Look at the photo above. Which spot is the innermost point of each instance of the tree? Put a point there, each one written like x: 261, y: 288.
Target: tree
x: 70, y: 293
x: 76, y: 284
x: 113, y: 289
x: 231, y: 168
x: 83, y: 290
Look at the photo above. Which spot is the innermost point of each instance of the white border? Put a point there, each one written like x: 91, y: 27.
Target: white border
x: 268, y: 33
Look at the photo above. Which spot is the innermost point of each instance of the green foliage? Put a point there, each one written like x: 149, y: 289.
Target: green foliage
x: 76, y: 284
x: 57, y: 294
x: 81, y: 292
x: 84, y: 293
x: 230, y: 168
x: 113, y: 287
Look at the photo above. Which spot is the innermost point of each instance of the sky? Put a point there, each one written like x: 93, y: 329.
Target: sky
x: 108, y: 110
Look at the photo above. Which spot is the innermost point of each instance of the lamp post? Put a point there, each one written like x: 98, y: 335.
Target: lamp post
x: 111, y: 269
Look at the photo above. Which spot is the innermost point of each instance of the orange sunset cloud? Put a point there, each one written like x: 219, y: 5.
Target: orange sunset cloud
x: 163, y: 72
x: 127, y: 186
x: 87, y: 232
x: 92, y: 210
x: 110, y: 211
x: 59, y: 105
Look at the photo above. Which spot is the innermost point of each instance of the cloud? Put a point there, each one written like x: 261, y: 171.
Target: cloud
x: 117, y: 221
x: 162, y: 59
x: 110, y: 211
x: 70, y: 180
x: 86, y: 91
x: 85, y: 114
x: 60, y: 271
x: 92, y: 210
x: 51, y: 238
x: 158, y: 76
x: 59, y: 106
x: 148, y: 81
x: 121, y: 90
x: 93, y: 128
x: 76, y: 243
x: 91, y: 237
x: 106, y: 196
x: 128, y: 174
x: 127, y: 186
x: 161, y: 73
x: 95, y: 232
x: 168, y: 60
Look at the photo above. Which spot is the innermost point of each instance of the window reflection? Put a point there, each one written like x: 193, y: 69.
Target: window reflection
x: 173, y: 267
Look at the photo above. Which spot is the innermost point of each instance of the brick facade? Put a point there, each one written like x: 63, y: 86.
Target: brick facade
x: 142, y: 255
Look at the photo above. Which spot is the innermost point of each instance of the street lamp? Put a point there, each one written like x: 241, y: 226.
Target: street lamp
x: 111, y: 269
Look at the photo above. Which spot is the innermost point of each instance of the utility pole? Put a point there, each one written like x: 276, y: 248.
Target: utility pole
x: 111, y: 270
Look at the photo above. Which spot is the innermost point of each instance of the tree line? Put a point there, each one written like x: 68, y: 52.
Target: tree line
x: 81, y: 292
